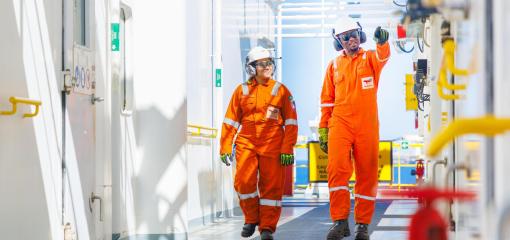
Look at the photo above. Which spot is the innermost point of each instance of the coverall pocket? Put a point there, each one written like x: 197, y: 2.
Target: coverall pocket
x: 366, y: 81
x: 247, y: 104
x: 273, y: 113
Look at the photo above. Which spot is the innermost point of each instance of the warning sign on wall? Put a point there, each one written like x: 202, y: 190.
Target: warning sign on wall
x: 318, y: 162
x: 84, y: 71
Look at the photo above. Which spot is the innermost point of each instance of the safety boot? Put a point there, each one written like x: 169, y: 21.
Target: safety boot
x: 339, y: 230
x: 248, y: 229
x: 266, y: 235
x: 361, y: 232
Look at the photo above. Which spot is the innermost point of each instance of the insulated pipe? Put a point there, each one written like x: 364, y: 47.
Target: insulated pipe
x: 488, y: 126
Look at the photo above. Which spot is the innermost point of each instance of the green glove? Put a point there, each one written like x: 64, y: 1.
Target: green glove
x: 286, y: 159
x: 226, y: 158
x: 323, y: 139
x: 381, y: 35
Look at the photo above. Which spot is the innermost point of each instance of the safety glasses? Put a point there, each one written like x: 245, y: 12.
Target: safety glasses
x: 348, y: 35
x: 264, y: 64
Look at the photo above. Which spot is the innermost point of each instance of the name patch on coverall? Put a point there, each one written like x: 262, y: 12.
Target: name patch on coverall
x: 367, y: 82
x: 272, y: 113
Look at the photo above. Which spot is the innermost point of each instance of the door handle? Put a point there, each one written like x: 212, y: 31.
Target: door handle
x: 92, y: 199
x: 95, y: 99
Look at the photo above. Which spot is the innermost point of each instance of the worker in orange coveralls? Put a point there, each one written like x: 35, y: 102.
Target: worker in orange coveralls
x: 263, y: 115
x: 350, y: 121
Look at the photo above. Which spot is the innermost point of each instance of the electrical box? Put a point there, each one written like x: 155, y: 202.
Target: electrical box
x: 411, y: 101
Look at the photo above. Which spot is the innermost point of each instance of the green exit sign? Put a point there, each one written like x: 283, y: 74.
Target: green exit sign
x: 115, y: 37
x: 405, y: 145
x: 218, y: 77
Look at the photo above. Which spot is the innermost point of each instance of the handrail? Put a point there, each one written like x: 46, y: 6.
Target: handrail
x: 488, y: 125
x: 411, y: 145
x: 198, y: 133
x: 15, y: 100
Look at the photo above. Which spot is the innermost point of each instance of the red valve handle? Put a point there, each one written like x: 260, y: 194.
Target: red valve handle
x: 427, y: 224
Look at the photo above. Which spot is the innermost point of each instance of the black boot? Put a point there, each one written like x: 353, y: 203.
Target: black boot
x: 362, y: 232
x: 339, y: 230
x: 248, y: 229
x: 266, y: 235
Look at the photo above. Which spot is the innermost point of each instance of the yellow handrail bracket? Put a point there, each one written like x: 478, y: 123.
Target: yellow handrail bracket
x: 488, y: 126
x: 17, y: 100
x: 198, y: 131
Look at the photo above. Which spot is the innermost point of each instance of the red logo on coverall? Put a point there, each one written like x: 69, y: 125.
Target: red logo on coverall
x: 367, y: 83
x: 272, y: 113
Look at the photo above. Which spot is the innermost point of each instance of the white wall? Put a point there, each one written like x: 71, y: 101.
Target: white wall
x: 210, y: 183
x: 152, y: 169
x: 29, y: 160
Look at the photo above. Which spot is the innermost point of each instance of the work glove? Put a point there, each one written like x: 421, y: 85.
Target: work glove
x: 286, y: 159
x: 381, y: 35
x: 323, y: 139
x: 226, y: 158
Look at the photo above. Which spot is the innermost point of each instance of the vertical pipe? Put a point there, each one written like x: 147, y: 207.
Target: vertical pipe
x: 279, y: 43
x: 322, y: 39
x: 489, y: 212
x: 489, y: 100
x: 63, y: 108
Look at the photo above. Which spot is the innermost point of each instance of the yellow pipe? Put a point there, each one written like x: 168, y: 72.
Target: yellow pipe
x: 488, y: 126
x: 449, y: 52
x: 447, y: 85
x: 15, y: 100
x: 442, y: 95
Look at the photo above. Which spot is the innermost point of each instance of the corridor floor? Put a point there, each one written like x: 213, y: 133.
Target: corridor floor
x: 309, y: 219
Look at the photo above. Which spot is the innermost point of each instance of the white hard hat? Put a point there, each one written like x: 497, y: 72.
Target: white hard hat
x: 257, y: 53
x: 345, y: 24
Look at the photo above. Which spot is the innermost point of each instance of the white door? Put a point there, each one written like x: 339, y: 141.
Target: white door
x: 83, y: 204
x: 123, y: 140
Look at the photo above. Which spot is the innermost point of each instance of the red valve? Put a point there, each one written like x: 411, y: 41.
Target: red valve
x: 420, y: 169
x: 401, y: 32
x: 427, y: 223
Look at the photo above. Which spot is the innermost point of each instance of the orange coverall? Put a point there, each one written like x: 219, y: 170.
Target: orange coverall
x: 268, y: 118
x: 349, y: 110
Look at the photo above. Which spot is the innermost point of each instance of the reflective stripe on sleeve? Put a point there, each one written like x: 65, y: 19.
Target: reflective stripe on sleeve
x: 365, y: 197
x: 290, y: 122
x: 271, y: 203
x: 231, y: 122
x: 245, y: 89
x: 327, y: 105
x: 276, y: 87
x: 332, y: 189
x: 248, y: 195
x: 378, y: 59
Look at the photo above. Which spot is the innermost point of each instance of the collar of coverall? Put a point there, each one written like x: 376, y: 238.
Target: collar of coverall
x: 360, y: 52
x: 255, y: 83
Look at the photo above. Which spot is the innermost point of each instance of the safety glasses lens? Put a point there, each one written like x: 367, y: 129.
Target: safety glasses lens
x: 264, y: 64
x: 346, y: 36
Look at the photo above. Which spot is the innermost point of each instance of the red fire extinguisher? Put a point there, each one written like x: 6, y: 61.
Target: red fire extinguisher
x: 427, y: 223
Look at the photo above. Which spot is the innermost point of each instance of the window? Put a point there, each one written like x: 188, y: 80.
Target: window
x: 80, y: 22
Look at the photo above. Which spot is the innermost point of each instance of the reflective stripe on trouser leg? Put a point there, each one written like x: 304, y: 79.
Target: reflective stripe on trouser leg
x: 271, y: 181
x: 245, y: 183
x: 339, y: 171
x: 366, y: 167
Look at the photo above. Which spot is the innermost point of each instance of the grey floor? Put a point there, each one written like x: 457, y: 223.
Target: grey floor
x: 309, y: 219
